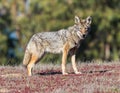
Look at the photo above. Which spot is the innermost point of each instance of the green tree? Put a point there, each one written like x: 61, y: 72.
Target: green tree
x: 33, y: 16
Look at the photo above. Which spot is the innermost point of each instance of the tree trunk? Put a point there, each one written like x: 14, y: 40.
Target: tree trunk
x: 14, y: 10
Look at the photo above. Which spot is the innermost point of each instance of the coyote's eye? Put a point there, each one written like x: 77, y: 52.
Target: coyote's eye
x: 87, y: 27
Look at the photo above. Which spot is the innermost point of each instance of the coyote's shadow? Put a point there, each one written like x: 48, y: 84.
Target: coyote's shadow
x: 99, y: 71
x: 49, y: 73
x: 58, y: 72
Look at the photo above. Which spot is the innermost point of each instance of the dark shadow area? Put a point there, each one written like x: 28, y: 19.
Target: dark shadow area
x: 72, y: 73
x: 99, y: 71
x: 49, y: 73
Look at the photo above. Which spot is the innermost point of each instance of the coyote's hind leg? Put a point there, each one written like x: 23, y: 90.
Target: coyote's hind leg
x: 31, y: 64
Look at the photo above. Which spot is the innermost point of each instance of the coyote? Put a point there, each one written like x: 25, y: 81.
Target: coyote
x: 65, y: 41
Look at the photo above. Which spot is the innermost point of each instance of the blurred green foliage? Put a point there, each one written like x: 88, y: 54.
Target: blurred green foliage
x: 32, y: 16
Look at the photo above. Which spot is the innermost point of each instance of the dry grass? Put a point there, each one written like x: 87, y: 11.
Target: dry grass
x: 47, y: 78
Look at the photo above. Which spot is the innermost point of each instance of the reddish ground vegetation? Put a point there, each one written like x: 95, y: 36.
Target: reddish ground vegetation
x: 95, y: 78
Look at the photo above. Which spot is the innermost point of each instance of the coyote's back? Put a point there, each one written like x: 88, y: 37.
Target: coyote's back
x: 63, y: 41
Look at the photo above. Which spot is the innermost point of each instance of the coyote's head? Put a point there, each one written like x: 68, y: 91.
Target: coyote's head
x: 82, y: 26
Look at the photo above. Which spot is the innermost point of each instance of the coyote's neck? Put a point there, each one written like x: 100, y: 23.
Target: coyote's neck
x: 76, y: 36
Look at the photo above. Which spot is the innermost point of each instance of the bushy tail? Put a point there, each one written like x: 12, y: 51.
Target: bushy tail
x: 26, y: 59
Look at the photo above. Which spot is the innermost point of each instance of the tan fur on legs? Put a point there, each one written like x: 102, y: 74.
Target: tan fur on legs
x: 31, y: 64
x: 74, y: 65
x: 64, y: 57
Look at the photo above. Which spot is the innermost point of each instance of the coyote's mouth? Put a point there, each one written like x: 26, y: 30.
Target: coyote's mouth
x: 81, y: 36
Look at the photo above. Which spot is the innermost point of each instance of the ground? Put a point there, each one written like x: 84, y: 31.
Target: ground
x: 95, y: 78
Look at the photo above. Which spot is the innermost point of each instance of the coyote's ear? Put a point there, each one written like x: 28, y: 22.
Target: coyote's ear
x: 77, y: 20
x: 89, y: 19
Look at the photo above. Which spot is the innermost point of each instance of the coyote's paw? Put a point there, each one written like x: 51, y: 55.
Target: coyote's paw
x: 29, y: 74
x: 78, y: 73
x: 65, y: 73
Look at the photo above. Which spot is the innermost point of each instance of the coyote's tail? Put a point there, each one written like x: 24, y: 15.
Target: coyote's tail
x: 26, y: 58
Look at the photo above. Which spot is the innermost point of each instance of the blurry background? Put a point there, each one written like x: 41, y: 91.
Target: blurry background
x: 20, y: 19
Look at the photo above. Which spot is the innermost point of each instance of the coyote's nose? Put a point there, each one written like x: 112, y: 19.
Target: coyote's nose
x: 84, y: 35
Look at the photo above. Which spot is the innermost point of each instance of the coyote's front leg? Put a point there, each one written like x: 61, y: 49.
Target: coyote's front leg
x: 64, y: 57
x: 73, y: 60
x: 74, y: 64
